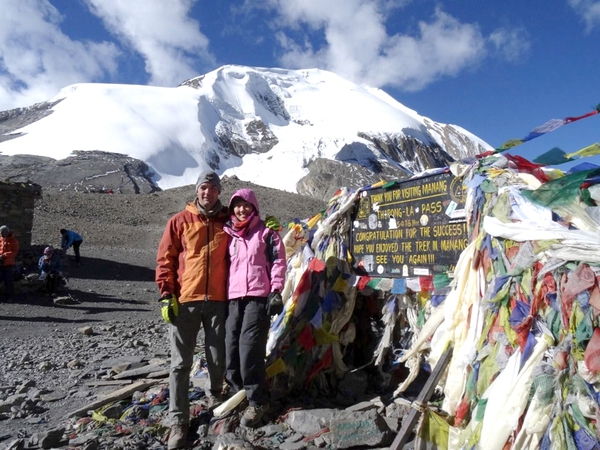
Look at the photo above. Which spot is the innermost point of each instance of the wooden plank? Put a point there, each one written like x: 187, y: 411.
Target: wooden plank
x: 408, y: 423
x: 140, y: 371
x: 160, y: 374
x: 108, y: 382
x: 119, y: 394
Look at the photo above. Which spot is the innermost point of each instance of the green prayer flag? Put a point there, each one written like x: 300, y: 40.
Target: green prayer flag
x: 481, y: 406
x: 441, y: 280
x: 552, y: 157
x: 559, y: 192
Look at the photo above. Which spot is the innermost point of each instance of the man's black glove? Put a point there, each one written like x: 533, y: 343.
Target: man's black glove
x: 168, y: 307
x: 274, y: 304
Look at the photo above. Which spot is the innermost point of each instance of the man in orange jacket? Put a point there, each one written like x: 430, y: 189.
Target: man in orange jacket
x: 9, y: 248
x: 192, y: 270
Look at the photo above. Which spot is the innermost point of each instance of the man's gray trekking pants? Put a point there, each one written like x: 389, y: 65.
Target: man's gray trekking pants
x: 183, y: 334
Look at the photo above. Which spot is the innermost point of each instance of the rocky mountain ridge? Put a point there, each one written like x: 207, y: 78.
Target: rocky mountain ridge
x: 101, y: 172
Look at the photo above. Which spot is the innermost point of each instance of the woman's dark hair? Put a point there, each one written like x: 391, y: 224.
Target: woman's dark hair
x: 63, y: 231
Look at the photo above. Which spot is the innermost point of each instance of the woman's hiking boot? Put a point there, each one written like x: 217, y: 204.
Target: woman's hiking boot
x: 253, y: 416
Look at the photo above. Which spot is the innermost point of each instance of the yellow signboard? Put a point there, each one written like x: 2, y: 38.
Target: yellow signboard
x: 413, y: 228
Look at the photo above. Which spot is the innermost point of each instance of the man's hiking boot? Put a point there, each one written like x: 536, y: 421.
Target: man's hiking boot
x: 178, y: 437
x: 213, y: 401
x: 253, y: 416
x: 243, y: 405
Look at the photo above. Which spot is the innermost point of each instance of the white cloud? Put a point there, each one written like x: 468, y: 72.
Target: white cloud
x: 358, y: 47
x: 511, y: 44
x: 37, y: 59
x: 170, y: 41
x: 589, y: 10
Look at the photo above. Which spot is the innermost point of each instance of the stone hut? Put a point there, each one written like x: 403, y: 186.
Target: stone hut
x: 17, y: 201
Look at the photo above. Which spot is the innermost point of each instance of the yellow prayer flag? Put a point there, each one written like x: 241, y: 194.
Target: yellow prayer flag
x: 510, y: 333
x: 510, y: 144
x: 434, y: 430
x: 313, y: 221
x: 277, y: 367
x: 99, y: 417
x: 590, y: 150
x: 322, y: 337
x: 378, y: 184
x: 340, y: 284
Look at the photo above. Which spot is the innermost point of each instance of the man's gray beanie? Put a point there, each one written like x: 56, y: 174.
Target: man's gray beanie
x: 208, y: 176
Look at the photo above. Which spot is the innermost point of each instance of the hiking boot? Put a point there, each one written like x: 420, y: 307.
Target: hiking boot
x: 178, y: 437
x: 253, y: 416
x: 243, y: 405
x: 213, y: 402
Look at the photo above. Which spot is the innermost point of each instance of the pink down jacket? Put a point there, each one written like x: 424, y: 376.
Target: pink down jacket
x: 257, y: 260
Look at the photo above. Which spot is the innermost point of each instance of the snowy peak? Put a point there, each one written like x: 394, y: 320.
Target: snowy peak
x: 267, y: 126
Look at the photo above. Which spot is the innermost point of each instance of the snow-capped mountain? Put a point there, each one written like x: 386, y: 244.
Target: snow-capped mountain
x: 307, y: 131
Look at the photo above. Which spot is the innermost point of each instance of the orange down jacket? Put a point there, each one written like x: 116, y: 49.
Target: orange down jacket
x: 9, y: 247
x: 192, y: 260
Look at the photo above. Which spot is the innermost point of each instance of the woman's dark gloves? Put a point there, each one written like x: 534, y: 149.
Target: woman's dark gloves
x: 274, y: 304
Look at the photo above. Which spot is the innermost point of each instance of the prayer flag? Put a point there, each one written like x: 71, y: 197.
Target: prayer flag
x: 278, y: 366
x: 547, y: 127
x: 399, y: 286
x: 552, y: 157
x: 317, y: 320
x: 582, y: 166
x: 590, y: 150
x: 306, y: 338
x: 560, y: 192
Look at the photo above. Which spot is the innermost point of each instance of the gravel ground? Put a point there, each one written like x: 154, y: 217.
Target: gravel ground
x: 46, y: 357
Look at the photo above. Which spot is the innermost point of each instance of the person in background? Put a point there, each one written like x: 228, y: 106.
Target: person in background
x: 70, y: 238
x: 191, y: 275
x: 256, y: 278
x: 9, y: 248
x: 50, y: 267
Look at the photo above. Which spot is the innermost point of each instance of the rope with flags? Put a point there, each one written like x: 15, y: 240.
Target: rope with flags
x: 545, y: 128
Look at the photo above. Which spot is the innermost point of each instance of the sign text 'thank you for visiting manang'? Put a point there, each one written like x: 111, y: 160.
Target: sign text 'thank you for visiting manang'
x: 412, y: 228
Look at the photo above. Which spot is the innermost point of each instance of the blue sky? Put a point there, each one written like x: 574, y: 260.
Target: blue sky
x: 498, y: 69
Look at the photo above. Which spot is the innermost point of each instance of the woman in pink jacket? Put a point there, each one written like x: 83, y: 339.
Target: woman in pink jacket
x: 256, y: 278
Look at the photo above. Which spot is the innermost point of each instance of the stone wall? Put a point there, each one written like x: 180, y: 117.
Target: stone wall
x: 17, y: 201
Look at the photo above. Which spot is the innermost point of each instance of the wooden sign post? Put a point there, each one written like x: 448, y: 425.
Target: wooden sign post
x: 419, y: 405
